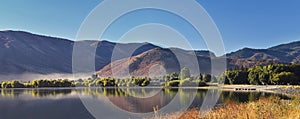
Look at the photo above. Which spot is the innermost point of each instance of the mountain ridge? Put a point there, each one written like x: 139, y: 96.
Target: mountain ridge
x: 25, y: 52
x: 22, y: 52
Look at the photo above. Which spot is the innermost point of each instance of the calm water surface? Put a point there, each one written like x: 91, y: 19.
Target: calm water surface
x: 71, y: 103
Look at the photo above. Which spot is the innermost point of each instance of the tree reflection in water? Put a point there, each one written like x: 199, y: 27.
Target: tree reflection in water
x: 138, y: 100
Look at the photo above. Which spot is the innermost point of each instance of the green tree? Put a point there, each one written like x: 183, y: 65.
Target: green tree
x: 94, y: 76
x: 207, y: 77
x: 174, y: 83
x: 185, y: 73
x: 173, y: 76
x: 3, y: 85
x: 284, y: 78
x: 17, y: 84
x: 253, y: 75
x: 199, y: 77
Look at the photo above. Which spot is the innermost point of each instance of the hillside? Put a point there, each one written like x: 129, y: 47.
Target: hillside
x: 284, y: 53
x: 156, y: 62
x: 22, y: 52
x: 165, y: 58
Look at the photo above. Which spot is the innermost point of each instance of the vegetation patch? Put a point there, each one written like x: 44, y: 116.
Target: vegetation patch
x: 264, y: 108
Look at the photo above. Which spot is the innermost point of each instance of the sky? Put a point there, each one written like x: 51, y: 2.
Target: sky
x: 242, y: 23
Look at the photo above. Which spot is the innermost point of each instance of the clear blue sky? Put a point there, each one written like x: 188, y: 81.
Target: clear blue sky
x: 242, y: 23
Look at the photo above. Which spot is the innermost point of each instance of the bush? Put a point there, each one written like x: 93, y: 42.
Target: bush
x: 174, y: 83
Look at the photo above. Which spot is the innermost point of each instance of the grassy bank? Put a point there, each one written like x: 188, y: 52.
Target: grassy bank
x: 264, y: 108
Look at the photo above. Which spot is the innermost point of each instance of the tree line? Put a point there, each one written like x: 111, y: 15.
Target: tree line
x: 273, y: 74
x: 184, y: 78
x: 37, y: 83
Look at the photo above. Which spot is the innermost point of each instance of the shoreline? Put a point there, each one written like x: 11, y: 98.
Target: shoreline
x: 292, y: 91
x: 288, y: 90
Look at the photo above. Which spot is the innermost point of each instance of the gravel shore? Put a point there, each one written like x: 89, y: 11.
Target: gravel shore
x: 280, y: 89
x: 288, y: 90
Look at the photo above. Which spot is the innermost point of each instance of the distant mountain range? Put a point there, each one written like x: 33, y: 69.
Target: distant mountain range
x: 285, y: 53
x: 23, y: 52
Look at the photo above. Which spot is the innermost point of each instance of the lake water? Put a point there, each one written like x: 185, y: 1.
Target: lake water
x: 88, y: 103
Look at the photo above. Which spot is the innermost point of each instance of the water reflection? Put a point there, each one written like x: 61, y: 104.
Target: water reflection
x: 35, y: 92
x: 47, y: 102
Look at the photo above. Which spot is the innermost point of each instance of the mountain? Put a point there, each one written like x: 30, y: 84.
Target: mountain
x: 23, y: 52
x: 284, y: 53
x: 155, y: 62
x: 291, y: 51
x: 144, y: 63
x: 158, y: 62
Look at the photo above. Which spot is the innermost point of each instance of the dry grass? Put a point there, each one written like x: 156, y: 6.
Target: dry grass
x: 290, y: 86
x: 264, y: 108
